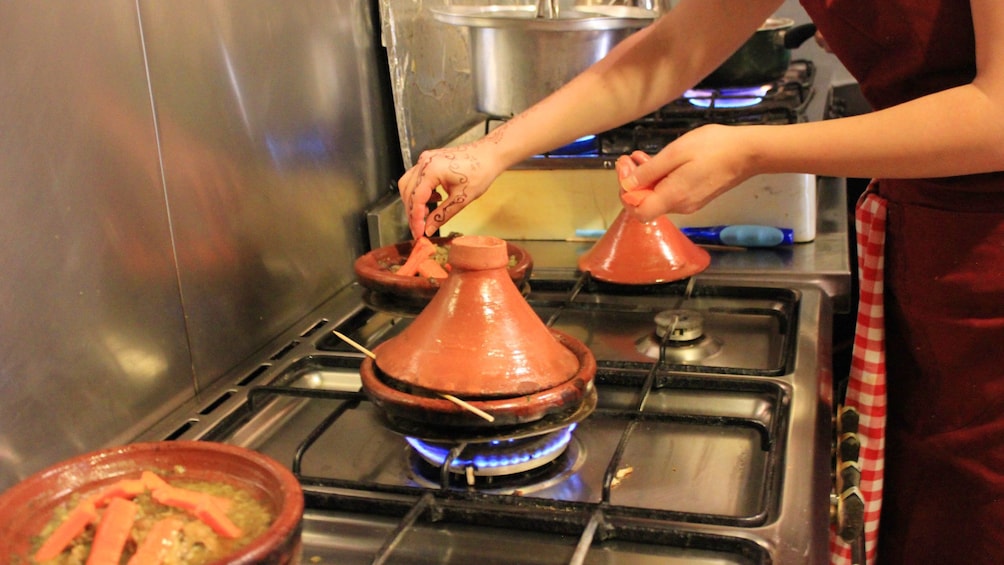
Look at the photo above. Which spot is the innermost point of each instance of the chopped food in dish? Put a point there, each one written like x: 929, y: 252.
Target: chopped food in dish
x: 429, y: 260
x: 152, y: 521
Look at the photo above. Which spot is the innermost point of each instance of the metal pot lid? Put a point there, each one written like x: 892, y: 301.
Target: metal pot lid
x: 582, y: 18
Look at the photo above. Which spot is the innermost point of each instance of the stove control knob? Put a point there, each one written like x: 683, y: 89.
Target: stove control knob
x: 848, y: 476
x: 849, y: 448
x: 850, y: 511
x: 850, y: 514
x: 847, y: 420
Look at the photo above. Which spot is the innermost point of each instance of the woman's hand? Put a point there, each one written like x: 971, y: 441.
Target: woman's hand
x: 689, y: 172
x: 464, y: 173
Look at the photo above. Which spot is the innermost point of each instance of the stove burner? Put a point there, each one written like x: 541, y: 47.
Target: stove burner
x: 496, y: 457
x: 681, y: 325
x: 586, y: 146
x: 727, y: 97
x: 682, y: 333
x: 504, y: 466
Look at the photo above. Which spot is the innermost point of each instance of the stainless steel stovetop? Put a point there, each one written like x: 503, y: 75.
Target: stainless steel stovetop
x: 713, y: 451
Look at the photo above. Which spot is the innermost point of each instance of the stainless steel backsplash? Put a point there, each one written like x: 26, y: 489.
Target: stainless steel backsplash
x: 180, y: 182
x: 430, y: 66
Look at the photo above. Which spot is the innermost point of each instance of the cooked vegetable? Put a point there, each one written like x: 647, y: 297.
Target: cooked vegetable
x: 152, y: 522
x: 158, y: 542
x: 431, y: 268
x: 126, y: 488
x: 422, y: 250
x: 152, y: 480
x: 70, y: 528
x: 113, y: 532
x: 429, y: 260
x: 200, y: 505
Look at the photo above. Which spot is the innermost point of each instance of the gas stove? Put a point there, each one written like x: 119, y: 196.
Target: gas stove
x: 573, y: 188
x: 708, y: 440
x: 783, y: 101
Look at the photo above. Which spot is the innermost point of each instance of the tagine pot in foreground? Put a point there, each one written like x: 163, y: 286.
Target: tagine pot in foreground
x: 480, y: 341
x: 29, y: 505
x: 635, y: 252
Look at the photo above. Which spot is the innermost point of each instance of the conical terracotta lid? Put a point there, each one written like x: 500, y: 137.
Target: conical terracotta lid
x: 636, y: 252
x: 477, y: 337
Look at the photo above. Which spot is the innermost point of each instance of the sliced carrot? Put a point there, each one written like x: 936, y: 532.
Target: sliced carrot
x: 201, y: 505
x: 113, y: 531
x: 218, y: 520
x: 178, y: 498
x: 430, y: 268
x: 422, y: 249
x: 152, y: 480
x: 67, y: 531
x: 157, y: 543
x: 126, y: 488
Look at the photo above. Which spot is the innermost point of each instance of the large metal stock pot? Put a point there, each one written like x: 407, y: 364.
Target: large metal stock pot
x: 518, y: 58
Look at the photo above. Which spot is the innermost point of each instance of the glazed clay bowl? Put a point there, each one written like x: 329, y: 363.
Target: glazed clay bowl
x: 401, y: 402
x: 28, y: 506
x: 373, y: 271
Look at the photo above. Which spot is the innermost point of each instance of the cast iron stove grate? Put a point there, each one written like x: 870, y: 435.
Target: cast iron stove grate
x: 634, y: 493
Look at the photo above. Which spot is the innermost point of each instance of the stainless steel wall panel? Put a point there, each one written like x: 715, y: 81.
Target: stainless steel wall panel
x: 180, y: 183
x: 92, y: 336
x: 430, y: 66
x: 273, y: 139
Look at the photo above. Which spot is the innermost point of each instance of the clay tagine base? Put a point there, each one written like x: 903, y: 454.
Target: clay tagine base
x: 632, y: 252
x: 414, y: 409
x: 478, y: 340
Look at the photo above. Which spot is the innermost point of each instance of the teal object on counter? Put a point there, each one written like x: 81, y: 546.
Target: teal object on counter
x: 743, y: 235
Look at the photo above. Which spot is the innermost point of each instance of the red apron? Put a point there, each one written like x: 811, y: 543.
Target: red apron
x: 942, y: 493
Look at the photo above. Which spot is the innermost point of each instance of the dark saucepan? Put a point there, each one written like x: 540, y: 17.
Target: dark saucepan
x: 763, y: 58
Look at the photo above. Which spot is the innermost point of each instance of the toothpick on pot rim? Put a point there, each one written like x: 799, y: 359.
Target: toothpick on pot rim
x: 465, y: 405
x: 353, y: 343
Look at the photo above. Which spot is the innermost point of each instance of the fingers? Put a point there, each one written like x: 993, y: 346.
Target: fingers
x: 415, y: 196
x: 460, y: 173
x: 625, y: 169
x: 651, y: 207
x: 640, y: 157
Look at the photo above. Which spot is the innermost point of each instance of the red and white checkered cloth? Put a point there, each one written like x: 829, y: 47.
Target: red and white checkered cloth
x: 866, y: 389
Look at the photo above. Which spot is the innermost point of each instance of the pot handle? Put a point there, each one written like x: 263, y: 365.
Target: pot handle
x: 796, y: 36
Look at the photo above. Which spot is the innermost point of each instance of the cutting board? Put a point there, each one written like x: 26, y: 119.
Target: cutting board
x: 559, y: 204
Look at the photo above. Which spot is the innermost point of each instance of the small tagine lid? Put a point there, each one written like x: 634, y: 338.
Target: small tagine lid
x: 477, y: 337
x: 636, y: 252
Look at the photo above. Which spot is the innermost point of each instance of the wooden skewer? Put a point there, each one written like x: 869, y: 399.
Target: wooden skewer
x: 465, y: 405
x: 353, y: 343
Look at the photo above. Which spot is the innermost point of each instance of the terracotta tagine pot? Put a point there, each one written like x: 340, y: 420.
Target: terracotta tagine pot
x: 636, y: 253
x: 480, y: 341
x: 29, y: 505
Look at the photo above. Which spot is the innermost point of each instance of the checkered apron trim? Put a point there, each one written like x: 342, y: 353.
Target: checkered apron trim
x: 866, y: 389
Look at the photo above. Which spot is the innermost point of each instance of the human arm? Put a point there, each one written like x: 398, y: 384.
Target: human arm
x: 957, y: 131
x: 641, y: 74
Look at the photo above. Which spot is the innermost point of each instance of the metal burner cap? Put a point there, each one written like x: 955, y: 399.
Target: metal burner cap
x: 681, y: 325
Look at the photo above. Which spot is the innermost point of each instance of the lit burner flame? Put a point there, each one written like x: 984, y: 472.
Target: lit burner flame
x: 496, y: 455
x: 727, y: 97
x: 583, y: 147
